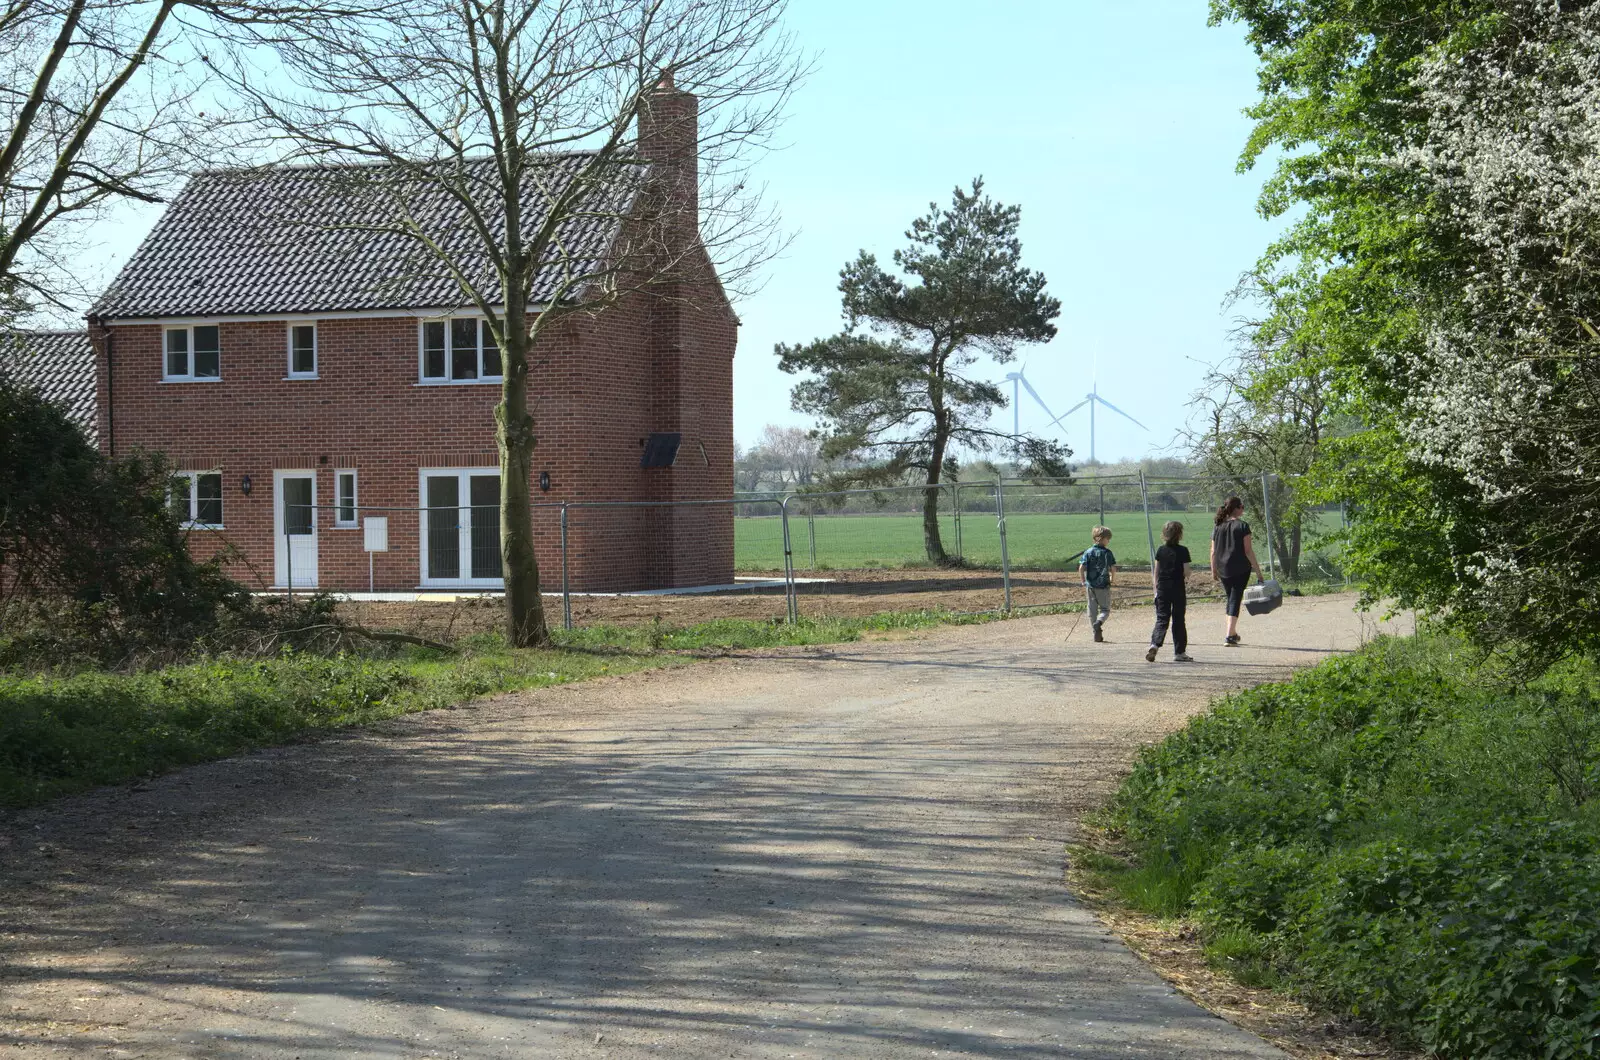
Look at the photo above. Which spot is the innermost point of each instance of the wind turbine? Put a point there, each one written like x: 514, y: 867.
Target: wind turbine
x: 1018, y: 379
x: 1092, y: 399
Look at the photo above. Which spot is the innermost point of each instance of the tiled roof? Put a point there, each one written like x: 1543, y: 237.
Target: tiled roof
x: 57, y: 364
x: 300, y: 239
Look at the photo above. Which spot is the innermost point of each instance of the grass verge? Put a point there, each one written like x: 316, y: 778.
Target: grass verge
x: 1409, y: 835
x: 1098, y: 867
x: 63, y: 733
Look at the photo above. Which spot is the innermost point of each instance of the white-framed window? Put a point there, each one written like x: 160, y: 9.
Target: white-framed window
x: 197, y: 498
x: 458, y: 350
x: 461, y: 527
x: 302, y: 351
x: 192, y: 353
x: 345, y: 512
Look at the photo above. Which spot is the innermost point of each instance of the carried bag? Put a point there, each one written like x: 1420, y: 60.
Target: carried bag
x: 1260, y: 599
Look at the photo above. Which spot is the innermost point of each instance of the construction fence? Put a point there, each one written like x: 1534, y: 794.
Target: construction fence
x: 983, y: 546
x: 1006, y: 545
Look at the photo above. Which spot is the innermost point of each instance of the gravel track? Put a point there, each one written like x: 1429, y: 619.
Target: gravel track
x: 843, y: 852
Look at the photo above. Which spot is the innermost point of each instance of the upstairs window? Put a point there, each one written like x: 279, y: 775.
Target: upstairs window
x: 197, y: 498
x: 302, y: 351
x: 193, y: 353
x: 459, y: 350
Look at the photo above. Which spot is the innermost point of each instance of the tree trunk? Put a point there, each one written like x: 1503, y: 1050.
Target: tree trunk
x: 930, y: 525
x: 931, y: 540
x: 525, y: 621
x: 1286, y: 545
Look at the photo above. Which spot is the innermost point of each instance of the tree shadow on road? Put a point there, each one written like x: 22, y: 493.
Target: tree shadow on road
x: 527, y: 891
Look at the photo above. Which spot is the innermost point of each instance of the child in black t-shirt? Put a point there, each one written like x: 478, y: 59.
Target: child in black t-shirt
x: 1169, y: 573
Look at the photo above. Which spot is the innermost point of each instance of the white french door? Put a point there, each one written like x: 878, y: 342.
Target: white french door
x: 294, y: 528
x: 461, y: 527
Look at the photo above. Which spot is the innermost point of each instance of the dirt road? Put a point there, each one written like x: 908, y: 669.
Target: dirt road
x: 838, y: 853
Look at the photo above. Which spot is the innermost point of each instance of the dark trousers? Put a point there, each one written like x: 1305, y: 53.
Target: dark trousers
x: 1233, y: 593
x: 1170, y: 608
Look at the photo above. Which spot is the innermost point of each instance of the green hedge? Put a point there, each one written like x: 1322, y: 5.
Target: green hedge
x: 1403, y: 834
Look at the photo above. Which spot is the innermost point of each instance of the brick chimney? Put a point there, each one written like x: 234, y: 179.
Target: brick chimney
x: 669, y: 138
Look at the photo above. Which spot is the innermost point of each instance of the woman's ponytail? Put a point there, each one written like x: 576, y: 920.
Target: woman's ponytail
x: 1229, y: 506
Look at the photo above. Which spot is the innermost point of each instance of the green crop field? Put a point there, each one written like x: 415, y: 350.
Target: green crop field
x: 1035, y: 540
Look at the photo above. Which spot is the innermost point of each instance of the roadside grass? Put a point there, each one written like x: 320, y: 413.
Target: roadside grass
x: 1409, y: 835
x: 64, y: 733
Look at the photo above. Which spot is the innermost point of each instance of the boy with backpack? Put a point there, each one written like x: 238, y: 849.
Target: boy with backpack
x: 1097, y: 567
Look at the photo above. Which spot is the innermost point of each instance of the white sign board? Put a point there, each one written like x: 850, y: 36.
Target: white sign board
x: 376, y: 528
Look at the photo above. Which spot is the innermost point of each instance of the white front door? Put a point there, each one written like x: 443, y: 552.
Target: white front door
x: 294, y: 528
x: 461, y: 528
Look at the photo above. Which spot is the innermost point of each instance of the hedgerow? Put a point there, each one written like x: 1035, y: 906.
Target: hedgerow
x: 1405, y: 834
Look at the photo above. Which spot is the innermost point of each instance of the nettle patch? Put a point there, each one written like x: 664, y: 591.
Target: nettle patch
x: 1398, y: 835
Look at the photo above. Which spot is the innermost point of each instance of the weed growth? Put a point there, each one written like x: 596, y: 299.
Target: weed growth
x: 68, y: 730
x: 1408, y: 834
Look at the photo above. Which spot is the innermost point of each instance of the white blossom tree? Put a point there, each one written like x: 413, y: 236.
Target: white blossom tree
x: 1505, y: 390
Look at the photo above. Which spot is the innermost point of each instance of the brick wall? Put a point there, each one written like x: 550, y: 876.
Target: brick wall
x: 599, y: 386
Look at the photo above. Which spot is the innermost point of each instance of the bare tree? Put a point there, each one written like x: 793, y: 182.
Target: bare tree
x: 102, y: 101
x: 785, y: 459
x: 86, y: 121
x: 1268, y: 410
x: 544, y: 123
x: 794, y: 453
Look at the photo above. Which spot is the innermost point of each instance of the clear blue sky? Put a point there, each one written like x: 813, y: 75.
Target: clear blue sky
x: 1116, y: 127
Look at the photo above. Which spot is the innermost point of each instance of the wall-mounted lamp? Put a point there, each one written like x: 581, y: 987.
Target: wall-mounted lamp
x: 544, y: 482
x: 244, y: 485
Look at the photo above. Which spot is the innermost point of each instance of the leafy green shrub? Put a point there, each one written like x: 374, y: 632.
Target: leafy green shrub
x: 1487, y: 946
x: 1254, y: 888
x: 94, y: 563
x: 1403, y: 833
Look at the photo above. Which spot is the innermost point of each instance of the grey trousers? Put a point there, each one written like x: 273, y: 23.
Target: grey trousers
x: 1099, y: 606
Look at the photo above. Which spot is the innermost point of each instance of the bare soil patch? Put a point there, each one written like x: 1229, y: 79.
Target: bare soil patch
x: 845, y: 594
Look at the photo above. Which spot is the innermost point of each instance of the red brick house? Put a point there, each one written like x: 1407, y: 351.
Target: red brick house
x: 305, y: 377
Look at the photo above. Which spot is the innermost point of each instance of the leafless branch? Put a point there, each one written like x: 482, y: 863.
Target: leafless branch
x: 105, y: 101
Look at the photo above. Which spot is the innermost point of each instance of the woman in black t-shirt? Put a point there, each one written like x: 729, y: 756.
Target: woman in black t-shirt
x: 1233, y: 558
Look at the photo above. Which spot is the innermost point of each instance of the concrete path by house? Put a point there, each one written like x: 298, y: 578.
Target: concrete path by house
x: 846, y: 852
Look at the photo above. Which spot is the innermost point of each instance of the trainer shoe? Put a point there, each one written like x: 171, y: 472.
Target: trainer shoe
x: 1150, y: 656
x: 1182, y: 656
x: 1099, y: 638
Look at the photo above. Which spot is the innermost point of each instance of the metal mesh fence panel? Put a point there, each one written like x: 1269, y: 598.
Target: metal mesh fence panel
x: 1049, y: 525
x: 1291, y: 542
x: 1321, y: 552
x: 674, y: 562
x: 873, y: 529
x: 758, y: 537
x: 861, y: 552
